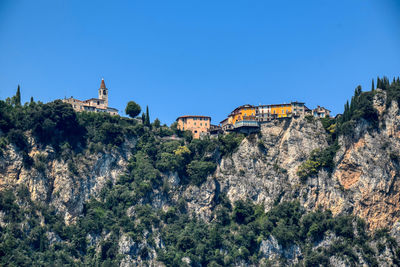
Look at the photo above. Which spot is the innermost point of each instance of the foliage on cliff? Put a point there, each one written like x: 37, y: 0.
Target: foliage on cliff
x: 360, y: 108
x: 32, y: 234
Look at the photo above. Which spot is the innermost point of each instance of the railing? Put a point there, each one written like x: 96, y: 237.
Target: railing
x: 251, y: 123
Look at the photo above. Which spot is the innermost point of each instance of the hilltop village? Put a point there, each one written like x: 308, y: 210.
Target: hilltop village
x: 99, y: 104
x: 246, y: 118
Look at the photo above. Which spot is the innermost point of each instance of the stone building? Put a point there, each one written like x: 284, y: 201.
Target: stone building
x: 99, y: 104
x: 198, y: 125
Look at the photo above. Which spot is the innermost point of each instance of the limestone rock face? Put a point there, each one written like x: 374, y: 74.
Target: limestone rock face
x: 66, y: 185
x: 364, y: 182
x: 270, y: 249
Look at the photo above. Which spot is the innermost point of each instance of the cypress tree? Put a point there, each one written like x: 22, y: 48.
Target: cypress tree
x: 373, y: 85
x: 346, y: 113
x: 18, y: 97
x: 147, y: 116
x: 385, y: 83
x: 357, y: 91
x: 32, y: 99
x: 143, y: 118
x: 378, y: 83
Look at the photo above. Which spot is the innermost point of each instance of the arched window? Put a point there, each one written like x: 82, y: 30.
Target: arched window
x: 104, y: 92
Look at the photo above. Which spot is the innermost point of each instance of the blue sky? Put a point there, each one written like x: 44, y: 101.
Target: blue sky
x: 197, y: 57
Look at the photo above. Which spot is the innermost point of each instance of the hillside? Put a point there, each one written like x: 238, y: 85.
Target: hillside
x: 92, y: 189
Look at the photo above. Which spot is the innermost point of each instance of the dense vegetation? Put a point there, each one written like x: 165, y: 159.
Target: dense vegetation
x: 33, y: 234
x: 360, y: 108
x: 233, y: 236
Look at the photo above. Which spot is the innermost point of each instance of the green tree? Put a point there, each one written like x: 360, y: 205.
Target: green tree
x: 157, y: 123
x: 132, y: 109
x: 143, y: 118
x: 199, y: 170
x: 373, y: 85
x: 16, y: 100
x: 147, y: 121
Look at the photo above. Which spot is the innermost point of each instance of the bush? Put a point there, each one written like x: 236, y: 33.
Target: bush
x: 317, y: 160
x: 243, y: 212
x: 18, y: 138
x: 229, y: 142
x: 199, y: 170
x: 40, y: 162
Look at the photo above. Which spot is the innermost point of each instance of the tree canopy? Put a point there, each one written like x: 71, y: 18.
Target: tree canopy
x: 132, y: 109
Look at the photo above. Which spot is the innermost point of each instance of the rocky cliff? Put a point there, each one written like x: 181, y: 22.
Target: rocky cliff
x: 264, y: 169
x: 67, y: 182
x: 365, y: 181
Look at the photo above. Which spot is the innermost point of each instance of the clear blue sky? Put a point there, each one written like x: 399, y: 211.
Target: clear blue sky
x: 197, y: 57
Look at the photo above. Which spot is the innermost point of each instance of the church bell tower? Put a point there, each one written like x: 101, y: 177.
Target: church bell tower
x: 103, y: 92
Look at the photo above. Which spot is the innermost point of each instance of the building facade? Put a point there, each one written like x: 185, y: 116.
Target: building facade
x: 321, y: 112
x: 245, y: 112
x: 198, y: 125
x: 273, y: 111
x: 99, y: 104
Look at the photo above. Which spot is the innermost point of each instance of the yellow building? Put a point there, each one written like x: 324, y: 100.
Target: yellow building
x: 267, y: 112
x: 245, y: 112
x: 198, y: 125
x: 281, y: 110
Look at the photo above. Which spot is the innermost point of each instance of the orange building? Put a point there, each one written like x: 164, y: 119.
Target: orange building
x: 245, y: 112
x: 198, y: 125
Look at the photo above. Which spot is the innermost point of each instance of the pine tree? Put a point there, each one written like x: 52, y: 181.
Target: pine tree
x: 373, y: 85
x: 147, y: 122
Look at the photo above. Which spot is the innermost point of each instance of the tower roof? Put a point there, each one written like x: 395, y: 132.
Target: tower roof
x: 102, y: 85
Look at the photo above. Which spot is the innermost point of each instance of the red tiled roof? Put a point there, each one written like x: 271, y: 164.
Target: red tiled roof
x: 193, y: 116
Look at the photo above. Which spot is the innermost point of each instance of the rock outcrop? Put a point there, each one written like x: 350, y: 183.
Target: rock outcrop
x: 365, y: 181
x: 64, y: 184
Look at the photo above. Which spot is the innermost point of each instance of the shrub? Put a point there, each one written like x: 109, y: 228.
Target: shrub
x: 243, y: 211
x: 228, y: 143
x: 40, y: 161
x: 317, y: 160
x: 18, y: 138
x: 199, y: 170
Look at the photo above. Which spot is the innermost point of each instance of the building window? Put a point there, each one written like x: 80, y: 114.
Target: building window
x: 201, y: 124
x: 194, y: 123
